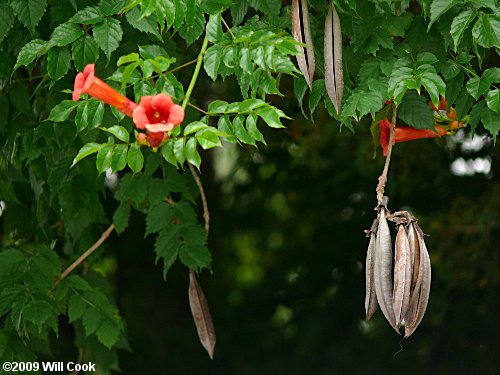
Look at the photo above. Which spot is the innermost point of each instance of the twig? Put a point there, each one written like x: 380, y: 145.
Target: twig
x: 85, y: 255
x: 198, y: 108
x: 196, y: 72
x: 182, y: 66
x: 227, y: 26
x: 382, y: 180
x: 80, y: 359
x: 206, y: 213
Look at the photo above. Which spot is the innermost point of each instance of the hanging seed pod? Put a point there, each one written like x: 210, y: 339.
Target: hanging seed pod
x: 383, y: 269
x: 301, y: 30
x: 418, y: 305
x: 402, y: 274
x: 371, y: 297
x: 334, y: 79
x: 414, y: 258
x: 201, y: 315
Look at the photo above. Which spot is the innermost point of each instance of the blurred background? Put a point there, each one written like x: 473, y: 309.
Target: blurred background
x: 287, y: 288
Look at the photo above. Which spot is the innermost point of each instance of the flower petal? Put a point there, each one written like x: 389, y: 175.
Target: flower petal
x: 78, y: 86
x: 162, y: 104
x: 176, y: 115
x: 139, y: 117
x: 160, y: 127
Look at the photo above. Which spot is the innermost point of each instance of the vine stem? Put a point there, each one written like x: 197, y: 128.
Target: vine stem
x: 206, y: 213
x: 196, y: 72
x: 382, y: 180
x: 85, y: 255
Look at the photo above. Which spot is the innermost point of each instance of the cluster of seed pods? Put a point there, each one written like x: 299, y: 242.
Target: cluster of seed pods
x: 402, y: 290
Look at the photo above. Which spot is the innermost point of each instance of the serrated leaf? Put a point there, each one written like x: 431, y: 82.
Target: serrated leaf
x: 30, y: 51
x: 192, y: 154
x: 439, y: 7
x: 158, y: 217
x: 108, y: 333
x: 146, y: 24
x: 61, y: 111
x: 110, y: 7
x: 212, y: 60
x: 119, y: 158
x: 104, y: 156
x: 217, y: 106
x: 84, y: 51
x: 191, y: 31
x: 434, y: 86
x: 214, y: 28
x: 415, y: 111
x: 317, y: 91
x: 179, y: 145
x: 87, y: 16
x: 127, y: 73
x: 450, y: 69
x: 65, y: 33
x: 119, y: 132
x: 240, y: 131
x: 58, y: 63
x: 86, y: 150
x: 193, y: 127
x: 460, y: 24
x: 194, y: 256
x: 271, y: 116
x: 89, y: 115
x: 29, y: 12
x: 77, y: 282
x: 486, y: 31
x: 108, y: 35
x: 208, y: 138
x: 493, y: 99
x: 251, y: 125
x: 6, y: 20
x: 131, y: 57
x: 120, y: 217
x: 167, y: 152
x: 491, y: 122
x: 92, y: 320
x: 135, y: 159
x: 76, y: 308
x: 167, y: 246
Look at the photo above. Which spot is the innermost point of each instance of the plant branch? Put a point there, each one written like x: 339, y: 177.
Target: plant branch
x: 198, y: 108
x: 206, y: 213
x: 227, y: 26
x: 85, y: 255
x: 382, y: 180
x: 182, y: 66
x: 196, y: 72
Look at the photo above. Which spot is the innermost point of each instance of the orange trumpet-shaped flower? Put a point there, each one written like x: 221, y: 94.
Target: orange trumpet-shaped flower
x: 405, y: 133
x: 158, y: 115
x: 87, y: 83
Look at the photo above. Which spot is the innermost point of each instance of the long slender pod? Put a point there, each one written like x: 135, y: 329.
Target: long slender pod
x: 311, y: 61
x: 297, y: 35
x: 334, y: 81
x: 370, y: 297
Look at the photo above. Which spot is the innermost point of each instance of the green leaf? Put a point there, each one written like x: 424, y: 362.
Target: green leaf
x: 179, y: 145
x: 84, y: 51
x: 192, y: 31
x: 486, y: 31
x: 37, y: 312
x: 491, y: 122
x: 224, y: 125
x: 85, y: 151
x: 64, y: 34
x: 238, y: 11
x: 214, y: 28
x: 415, y: 111
x: 434, y: 86
x: 30, y: 51
x: 167, y: 151
x: 89, y: 115
x: 240, y: 131
x: 250, y: 105
x: 317, y: 91
x: 212, y: 60
x: 167, y: 246
x: 192, y: 154
x: 208, y: 138
x: 493, y: 100
x: 108, y: 35
x: 193, y: 127
x: 6, y: 20
x: 120, y: 217
x: 217, y: 106
x: 87, y: 16
x: 91, y: 320
x: 76, y: 308
x: 271, y: 116
x: 29, y: 12
x: 127, y: 73
x: 251, y: 125
x: 110, y: 7
x: 194, y: 256
x: 460, y: 24
x: 104, y: 156
x: 119, y: 158
x: 439, y: 7
x: 159, y: 217
x: 61, y: 111
x: 475, y: 114
x: 135, y: 159
x: 77, y: 282
x: 450, y: 69
x: 108, y: 333
x: 146, y: 24
x: 131, y: 57
x: 58, y: 63
x: 119, y: 132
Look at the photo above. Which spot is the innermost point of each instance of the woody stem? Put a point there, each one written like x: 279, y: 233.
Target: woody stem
x: 382, y: 180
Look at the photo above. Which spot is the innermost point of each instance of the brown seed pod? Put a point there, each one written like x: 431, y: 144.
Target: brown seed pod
x: 383, y: 269
x: 334, y: 77
x: 402, y: 274
x: 418, y: 303
x: 301, y: 31
x: 370, y: 297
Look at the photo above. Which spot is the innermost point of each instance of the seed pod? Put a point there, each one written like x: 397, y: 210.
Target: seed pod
x: 334, y: 77
x: 301, y: 31
x: 383, y: 269
x: 417, y: 310
x: 370, y: 297
x: 402, y: 274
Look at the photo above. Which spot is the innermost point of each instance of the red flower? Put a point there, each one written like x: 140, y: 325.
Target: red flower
x: 87, y: 83
x: 158, y: 115
x: 405, y: 133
